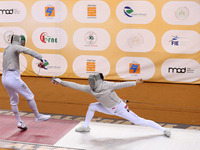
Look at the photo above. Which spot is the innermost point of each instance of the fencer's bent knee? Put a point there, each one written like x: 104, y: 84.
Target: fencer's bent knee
x: 92, y: 106
x: 14, y: 100
x: 29, y: 99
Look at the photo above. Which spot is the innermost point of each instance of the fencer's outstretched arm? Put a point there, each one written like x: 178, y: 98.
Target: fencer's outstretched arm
x: 25, y: 50
x: 11, y: 56
x: 80, y: 87
x: 120, y: 85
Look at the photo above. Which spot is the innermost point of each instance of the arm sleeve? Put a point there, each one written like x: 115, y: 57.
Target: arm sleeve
x: 120, y: 85
x: 28, y: 51
x: 84, y: 88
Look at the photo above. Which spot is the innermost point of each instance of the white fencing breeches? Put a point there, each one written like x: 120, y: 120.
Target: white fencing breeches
x: 122, y: 111
x: 14, y: 85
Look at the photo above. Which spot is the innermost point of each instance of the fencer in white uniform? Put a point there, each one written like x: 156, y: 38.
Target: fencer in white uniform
x: 108, y: 101
x: 12, y: 81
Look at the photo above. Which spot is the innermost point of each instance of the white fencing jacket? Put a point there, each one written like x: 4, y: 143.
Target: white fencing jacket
x: 11, y: 56
x: 105, y: 93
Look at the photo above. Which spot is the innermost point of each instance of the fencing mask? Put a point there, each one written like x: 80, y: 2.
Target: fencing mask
x: 18, y: 39
x: 95, y: 80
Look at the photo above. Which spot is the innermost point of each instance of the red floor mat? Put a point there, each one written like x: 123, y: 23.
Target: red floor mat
x: 46, y: 132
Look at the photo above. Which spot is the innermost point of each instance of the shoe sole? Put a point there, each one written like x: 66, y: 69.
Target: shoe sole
x: 23, y: 129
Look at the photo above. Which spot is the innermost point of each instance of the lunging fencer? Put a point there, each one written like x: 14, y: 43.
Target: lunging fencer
x: 108, y: 101
x: 12, y: 81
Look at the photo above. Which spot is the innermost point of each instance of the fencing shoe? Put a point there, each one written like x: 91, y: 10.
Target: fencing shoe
x: 167, y: 133
x: 21, y: 126
x: 83, y: 129
x: 42, y: 118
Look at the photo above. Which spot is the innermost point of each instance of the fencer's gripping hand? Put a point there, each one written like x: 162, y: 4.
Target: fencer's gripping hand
x: 42, y: 63
x: 56, y: 80
x: 139, y: 80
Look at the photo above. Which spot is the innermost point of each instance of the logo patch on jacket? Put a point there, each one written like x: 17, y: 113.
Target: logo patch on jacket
x: 23, y: 86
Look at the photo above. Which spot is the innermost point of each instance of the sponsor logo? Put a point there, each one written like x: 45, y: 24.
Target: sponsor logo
x: 182, y: 13
x: 128, y: 11
x: 49, y: 11
x: 91, y: 38
x: 134, y: 68
x: 183, y: 70
x: 9, y: 11
x: 135, y: 12
x: 53, y: 67
x: 49, y: 38
x: 181, y: 41
x: 57, y: 65
x: 136, y: 40
x: 7, y: 36
x: 6, y: 11
x: 45, y: 38
x: 91, y: 11
x: 90, y: 65
x: 12, y: 11
x: 84, y: 65
x: 180, y: 70
x: 174, y: 40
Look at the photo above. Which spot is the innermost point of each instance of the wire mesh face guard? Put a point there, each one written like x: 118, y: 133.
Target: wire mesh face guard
x: 92, y: 79
x: 18, y: 39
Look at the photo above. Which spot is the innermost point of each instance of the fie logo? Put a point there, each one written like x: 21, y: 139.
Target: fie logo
x: 50, y: 11
x: 134, y: 68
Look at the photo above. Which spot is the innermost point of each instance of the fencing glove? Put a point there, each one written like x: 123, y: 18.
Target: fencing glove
x: 56, y: 80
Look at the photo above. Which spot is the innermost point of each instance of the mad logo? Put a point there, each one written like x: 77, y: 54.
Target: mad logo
x: 6, y: 11
x: 180, y: 70
x: 9, y: 11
